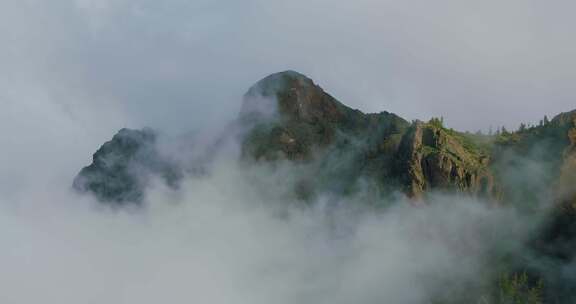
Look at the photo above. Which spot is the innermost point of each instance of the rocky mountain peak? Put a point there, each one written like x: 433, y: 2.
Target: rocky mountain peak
x: 292, y: 96
x: 277, y: 82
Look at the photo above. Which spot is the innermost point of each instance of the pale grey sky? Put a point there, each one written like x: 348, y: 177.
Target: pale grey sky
x: 176, y: 64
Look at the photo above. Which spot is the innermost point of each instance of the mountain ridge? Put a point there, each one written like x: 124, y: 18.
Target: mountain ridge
x: 287, y: 116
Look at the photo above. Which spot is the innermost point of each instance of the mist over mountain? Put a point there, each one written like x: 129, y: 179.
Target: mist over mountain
x: 296, y: 147
x: 407, y: 152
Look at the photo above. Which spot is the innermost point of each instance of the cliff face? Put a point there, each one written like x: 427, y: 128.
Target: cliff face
x: 431, y: 157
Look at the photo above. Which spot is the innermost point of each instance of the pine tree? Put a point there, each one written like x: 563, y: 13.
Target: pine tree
x: 522, y: 127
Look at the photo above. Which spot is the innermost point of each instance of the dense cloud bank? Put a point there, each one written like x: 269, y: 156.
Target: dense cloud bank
x: 222, y: 238
x: 235, y: 233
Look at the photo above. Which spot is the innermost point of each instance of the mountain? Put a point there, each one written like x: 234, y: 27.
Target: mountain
x: 333, y: 149
x: 308, y: 124
x: 286, y: 116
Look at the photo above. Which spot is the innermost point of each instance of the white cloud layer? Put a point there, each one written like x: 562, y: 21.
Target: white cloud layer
x: 220, y: 240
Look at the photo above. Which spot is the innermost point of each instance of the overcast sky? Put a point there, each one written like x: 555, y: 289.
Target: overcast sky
x: 177, y: 64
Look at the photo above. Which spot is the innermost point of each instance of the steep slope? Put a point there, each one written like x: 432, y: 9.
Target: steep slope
x: 528, y: 162
x: 537, y: 166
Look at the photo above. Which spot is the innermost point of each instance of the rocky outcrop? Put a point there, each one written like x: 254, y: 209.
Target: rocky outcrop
x: 121, y: 169
x: 431, y: 158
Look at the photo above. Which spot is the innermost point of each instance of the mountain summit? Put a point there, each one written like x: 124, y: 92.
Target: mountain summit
x: 294, y: 96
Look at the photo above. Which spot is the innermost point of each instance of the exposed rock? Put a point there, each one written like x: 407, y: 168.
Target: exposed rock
x: 431, y: 158
x: 122, y: 167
